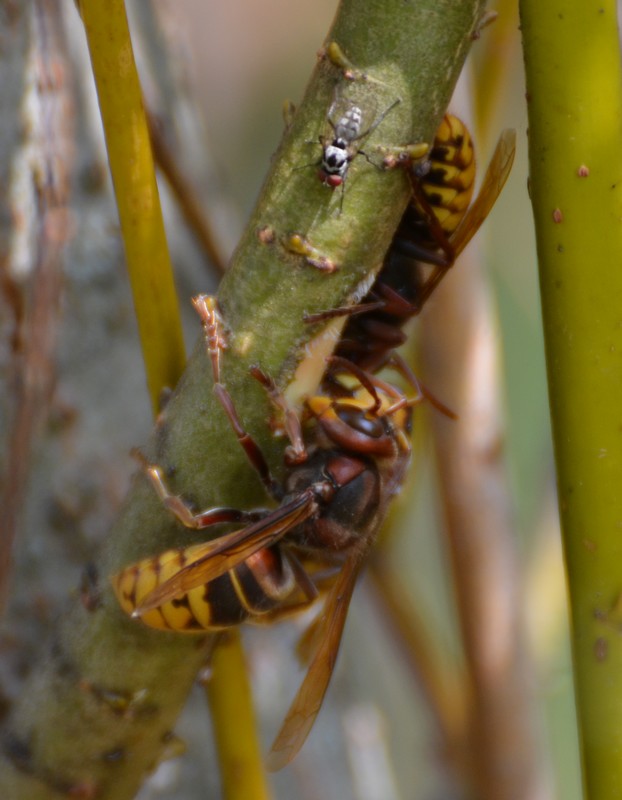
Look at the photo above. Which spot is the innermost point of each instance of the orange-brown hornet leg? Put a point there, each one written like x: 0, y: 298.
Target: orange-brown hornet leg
x: 207, y: 309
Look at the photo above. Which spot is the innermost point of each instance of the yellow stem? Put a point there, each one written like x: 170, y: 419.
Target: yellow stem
x: 136, y: 191
x: 230, y: 699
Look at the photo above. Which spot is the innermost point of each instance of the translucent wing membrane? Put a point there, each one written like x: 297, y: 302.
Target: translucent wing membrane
x: 492, y: 184
x: 206, y: 562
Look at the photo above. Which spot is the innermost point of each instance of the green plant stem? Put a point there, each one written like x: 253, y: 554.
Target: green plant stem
x: 100, y: 707
x: 574, y: 88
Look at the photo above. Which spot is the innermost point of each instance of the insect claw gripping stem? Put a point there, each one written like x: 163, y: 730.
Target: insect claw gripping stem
x: 183, y: 512
x: 296, y: 453
x: 250, y: 446
x: 207, y: 309
x: 211, y: 319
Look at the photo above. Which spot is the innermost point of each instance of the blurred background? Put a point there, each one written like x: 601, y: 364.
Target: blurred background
x: 375, y: 737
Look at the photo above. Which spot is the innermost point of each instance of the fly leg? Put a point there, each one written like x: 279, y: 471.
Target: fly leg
x: 377, y: 121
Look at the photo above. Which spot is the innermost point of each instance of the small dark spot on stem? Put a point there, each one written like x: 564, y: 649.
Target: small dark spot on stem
x: 112, y: 756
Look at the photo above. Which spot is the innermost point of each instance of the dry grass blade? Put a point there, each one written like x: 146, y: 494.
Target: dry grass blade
x: 461, y: 362
x: 185, y: 194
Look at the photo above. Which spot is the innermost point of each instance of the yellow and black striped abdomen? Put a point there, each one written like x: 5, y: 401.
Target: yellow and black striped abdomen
x: 255, y: 587
x: 448, y: 186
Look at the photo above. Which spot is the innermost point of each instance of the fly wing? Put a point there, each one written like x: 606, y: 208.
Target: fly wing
x: 306, y: 705
x: 212, y: 559
x: 346, y: 111
x: 494, y: 180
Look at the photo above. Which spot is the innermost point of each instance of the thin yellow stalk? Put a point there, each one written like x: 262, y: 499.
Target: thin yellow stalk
x: 574, y: 85
x: 230, y: 700
x: 155, y: 300
x: 136, y: 191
